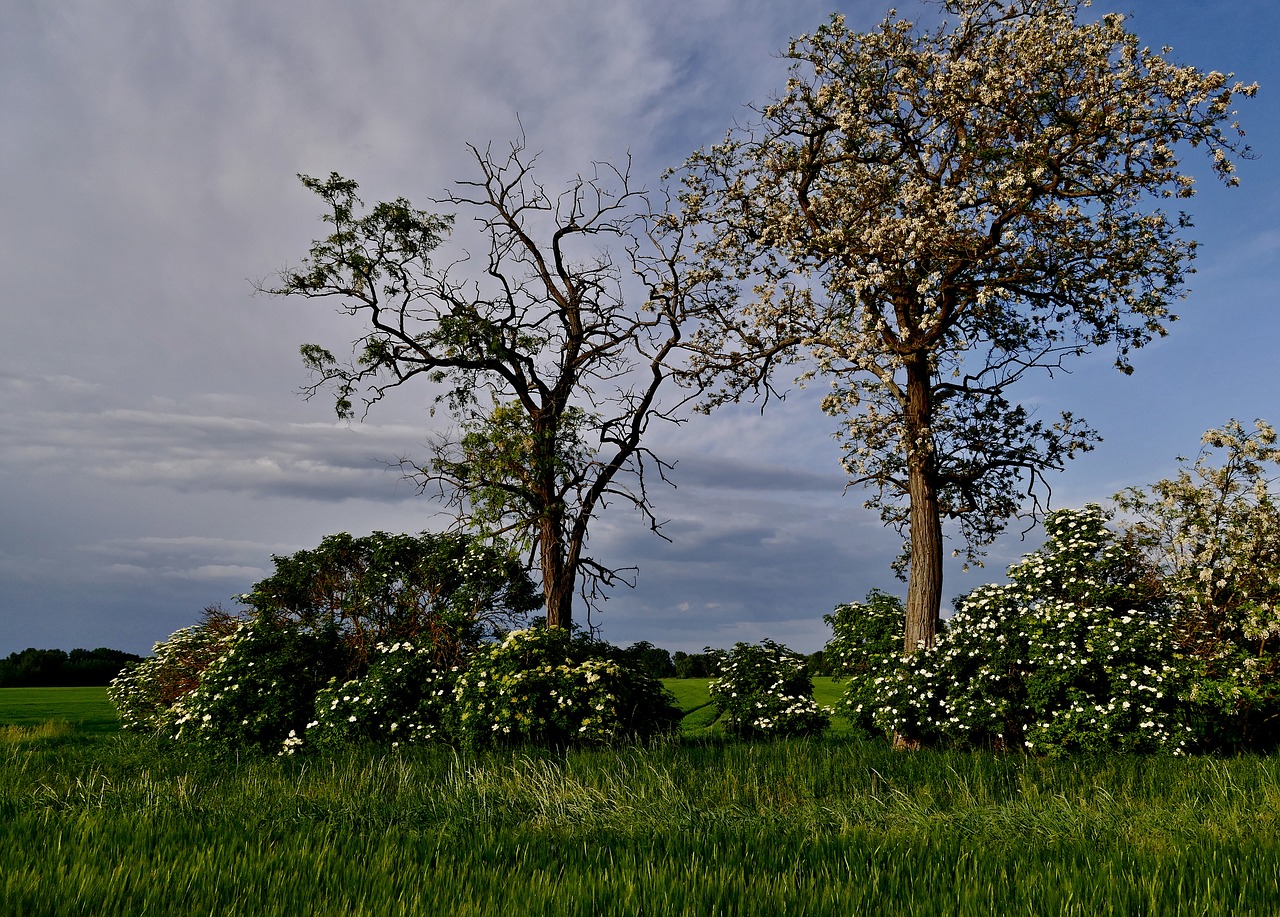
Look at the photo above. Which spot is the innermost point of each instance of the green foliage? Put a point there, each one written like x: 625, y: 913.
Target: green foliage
x: 261, y: 690
x: 764, y: 690
x: 866, y: 643
x: 1074, y: 654
x: 545, y: 686
x: 652, y: 660
x: 503, y: 458
x: 1213, y: 531
x: 405, y: 697
x: 698, y: 665
x: 443, y: 591
x: 35, y: 668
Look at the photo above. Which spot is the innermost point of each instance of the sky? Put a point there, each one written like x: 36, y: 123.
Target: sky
x: 155, y: 452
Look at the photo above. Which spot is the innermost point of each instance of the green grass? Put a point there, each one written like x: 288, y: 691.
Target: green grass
x: 700, y: 714
x: 87, y: 710
x: 111, y: 824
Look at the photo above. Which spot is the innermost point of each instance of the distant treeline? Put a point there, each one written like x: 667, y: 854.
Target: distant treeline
x: 33, y: 668
x: 707, y: 664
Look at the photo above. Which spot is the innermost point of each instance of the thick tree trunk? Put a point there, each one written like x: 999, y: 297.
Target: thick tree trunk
x: 924, y: 583
x: 557, y: 577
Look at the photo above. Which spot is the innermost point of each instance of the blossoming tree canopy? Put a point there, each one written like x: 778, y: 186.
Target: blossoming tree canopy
x: 928, y: 216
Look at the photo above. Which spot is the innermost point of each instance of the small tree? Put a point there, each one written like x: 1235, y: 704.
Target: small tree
x: 552, y: 355
x: 930, y: 217
x: 442, y: 591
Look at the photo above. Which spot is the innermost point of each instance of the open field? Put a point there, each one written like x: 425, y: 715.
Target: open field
x: 118, y: 825
x: 87, y: 710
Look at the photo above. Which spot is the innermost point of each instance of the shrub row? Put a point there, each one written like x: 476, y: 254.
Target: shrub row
x: 1078, y: 652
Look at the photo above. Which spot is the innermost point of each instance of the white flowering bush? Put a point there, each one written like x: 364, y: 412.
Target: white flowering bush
x: 544, y: 686
x: 866, y: 645
x: 1075, y: 654
x: 764, y: 690
x: 144, y: 691
x: 1213, y: 532
x: 405, y: 697
x: 261, y: 689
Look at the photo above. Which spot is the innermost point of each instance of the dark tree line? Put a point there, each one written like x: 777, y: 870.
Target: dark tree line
x: 33, y: 668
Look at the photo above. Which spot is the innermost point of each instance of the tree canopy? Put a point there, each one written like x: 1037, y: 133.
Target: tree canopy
x: 927, y: 217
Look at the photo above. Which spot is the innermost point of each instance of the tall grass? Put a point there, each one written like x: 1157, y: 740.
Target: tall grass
x: 123, y: 826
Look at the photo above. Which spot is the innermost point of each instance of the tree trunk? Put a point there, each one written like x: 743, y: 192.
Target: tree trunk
x: 557, y: 577
x: 924, y: 583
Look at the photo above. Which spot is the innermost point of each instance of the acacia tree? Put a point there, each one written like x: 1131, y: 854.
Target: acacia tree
x: 928, y: 217
x: 552, y: 355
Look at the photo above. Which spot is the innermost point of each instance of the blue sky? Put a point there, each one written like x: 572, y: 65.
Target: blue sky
x: 154, y: 452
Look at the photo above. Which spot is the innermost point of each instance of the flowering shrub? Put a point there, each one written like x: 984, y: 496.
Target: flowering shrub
x: 1074, y: 654
x: 765, y: 690
x: 144, y: 691
x: 1213, y: 531
x: 866, y: 643
x: 545, y: 686
x: 405, y: 697
x: 261, y: 690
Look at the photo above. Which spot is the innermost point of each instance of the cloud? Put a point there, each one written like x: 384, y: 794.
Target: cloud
x: 153, y: 451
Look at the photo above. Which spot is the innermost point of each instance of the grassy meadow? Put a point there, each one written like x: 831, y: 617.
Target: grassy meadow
x: 93, y: 821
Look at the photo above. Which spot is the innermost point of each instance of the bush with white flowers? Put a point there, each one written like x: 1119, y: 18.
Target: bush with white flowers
x: 261, y: 690
x: 1075, y: 654
x: 144, y: 691
x: 405, y: 697
x: 866, y: 644
x: 545, y: 686
x: 764, y: 690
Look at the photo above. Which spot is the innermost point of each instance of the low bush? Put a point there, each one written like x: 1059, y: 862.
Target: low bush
x: 144, y: 692
x: 548, y: 687
x: 406, y: 697
x: 261, y: 689
x: 764, y: 690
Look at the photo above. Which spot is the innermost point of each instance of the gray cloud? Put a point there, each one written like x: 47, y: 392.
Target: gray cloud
x: 153, y: 451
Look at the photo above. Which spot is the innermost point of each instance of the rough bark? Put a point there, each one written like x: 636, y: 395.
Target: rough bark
x: 924, y: 585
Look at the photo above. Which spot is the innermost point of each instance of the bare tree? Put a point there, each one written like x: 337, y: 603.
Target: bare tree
x: 552, y: 356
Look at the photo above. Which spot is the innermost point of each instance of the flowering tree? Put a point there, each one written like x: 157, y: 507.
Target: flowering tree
x: 930, y: 216
x: 552, y: 353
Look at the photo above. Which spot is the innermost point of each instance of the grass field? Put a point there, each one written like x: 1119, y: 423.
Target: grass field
x: 110, y: 824
x: 86, y: 710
